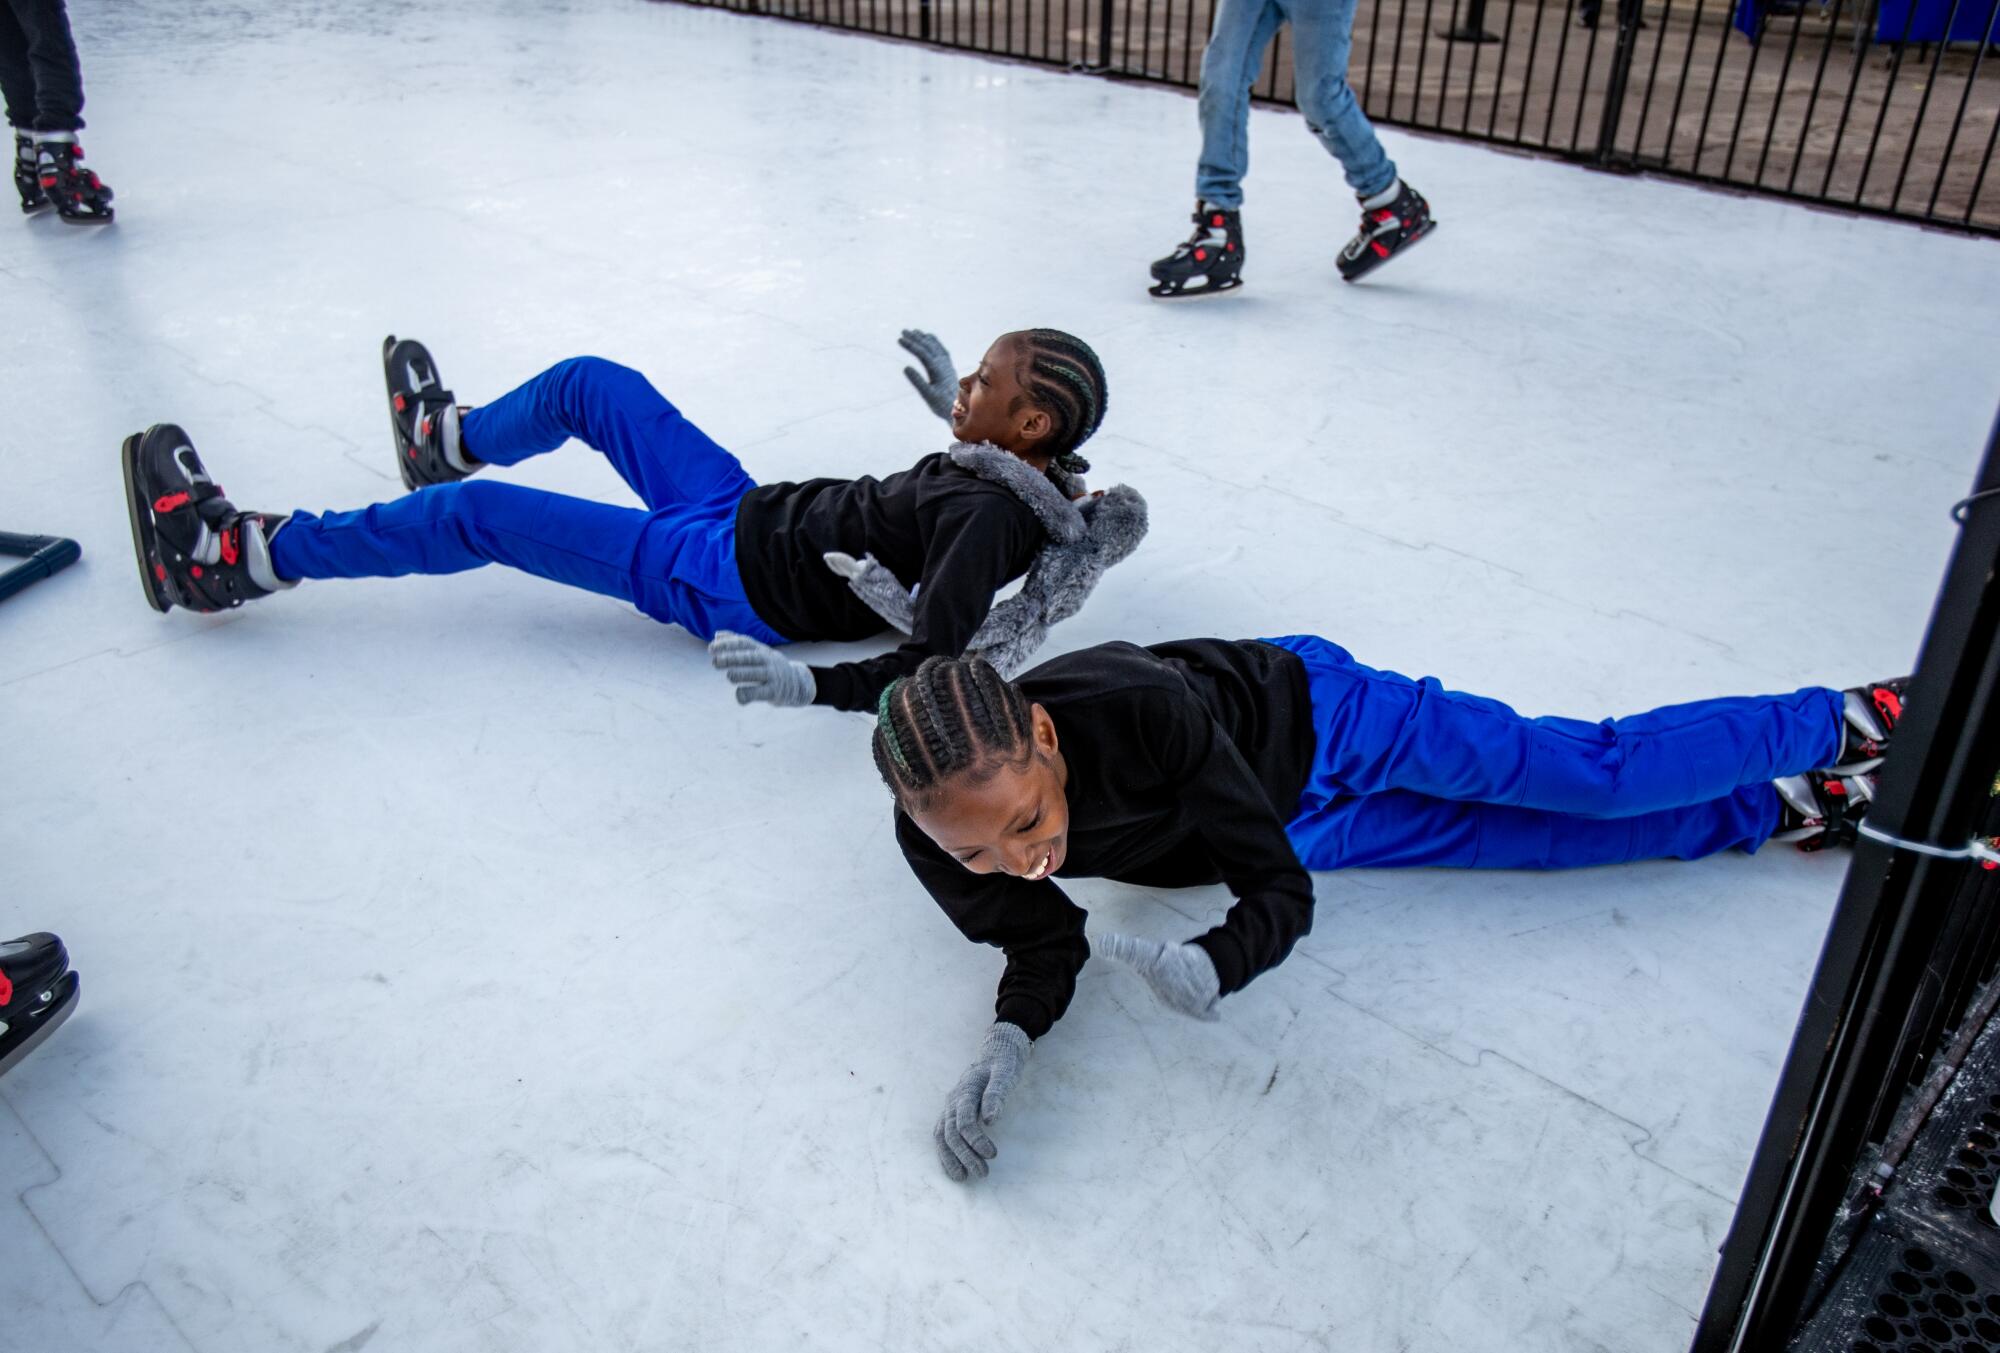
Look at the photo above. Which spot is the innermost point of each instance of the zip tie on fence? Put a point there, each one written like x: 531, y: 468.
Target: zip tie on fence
x: 1975, y: 849
x: 1959, y: 508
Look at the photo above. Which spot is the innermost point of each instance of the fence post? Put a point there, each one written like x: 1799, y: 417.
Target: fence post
x: 1620, y: 78
x: 1474, y: 27
x: 1104, y: 35
x: 924, y: 20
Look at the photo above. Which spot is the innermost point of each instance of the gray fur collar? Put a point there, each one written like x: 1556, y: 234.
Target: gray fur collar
x: 1057, y: 514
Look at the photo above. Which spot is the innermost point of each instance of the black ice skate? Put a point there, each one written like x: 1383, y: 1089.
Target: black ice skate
x: 28, y: 175
x: 80, y: 197
x: 1209, y: 263
x: 37, y: 993
x: 1820, y: 809
x: 195, y: 549
x: 1870, y: 714
x: 1386, y: 232
x: 423, y: 416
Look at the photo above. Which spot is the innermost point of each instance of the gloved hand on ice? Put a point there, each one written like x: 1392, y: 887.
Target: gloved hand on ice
x: 962, y: 1144
x: 761, y: 672
x: 1181, y: 975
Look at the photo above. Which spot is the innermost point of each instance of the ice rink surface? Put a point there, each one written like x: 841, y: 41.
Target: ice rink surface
x: 463, y: 970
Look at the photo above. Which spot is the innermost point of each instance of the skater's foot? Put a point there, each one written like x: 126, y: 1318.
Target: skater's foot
x: 1869, y: 715
x: 80, y: 197
x: 28, y: 175
x: 1821, y: 809
x: 423, y: 416
x: 37, y: 992
x: 1387, y: 228
x: 1209, y: 263
x: 195, y: 549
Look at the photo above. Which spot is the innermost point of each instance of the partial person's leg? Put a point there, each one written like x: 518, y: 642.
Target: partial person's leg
x: 52, y: 56
x: 1399, y: 829
x: 612, y: 408
x: 1322, y: 35
x: 449, y: 528
x: 1229, y: 66
x: 17, y: 77
x: 1381, y: 731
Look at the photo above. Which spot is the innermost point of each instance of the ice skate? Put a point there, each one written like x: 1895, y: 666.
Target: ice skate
x: 195, y: 549
x: 1821, y: 809
x: 27, y: 175
x: 79, y: 196
x: 423, y: 417
x: 1209, y: 263
x: 1385, y: 232
x: 37, y: 993
x: 1869, y: 715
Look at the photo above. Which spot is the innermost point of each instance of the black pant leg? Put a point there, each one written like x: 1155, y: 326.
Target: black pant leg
x: 17, y: 79
x: 51, y: 56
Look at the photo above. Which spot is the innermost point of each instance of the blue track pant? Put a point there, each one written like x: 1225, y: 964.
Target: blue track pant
x: 1409, y: 773
x: 675, y: 559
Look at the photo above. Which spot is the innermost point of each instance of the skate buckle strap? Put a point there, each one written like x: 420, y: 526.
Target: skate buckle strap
x: 1975, y: 849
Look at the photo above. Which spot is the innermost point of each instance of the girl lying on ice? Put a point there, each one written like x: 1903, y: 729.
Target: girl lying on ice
x: 711, y: 550
x: 1249, y: 763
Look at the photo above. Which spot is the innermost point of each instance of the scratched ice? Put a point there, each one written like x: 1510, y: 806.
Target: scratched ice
x: 464, y: 971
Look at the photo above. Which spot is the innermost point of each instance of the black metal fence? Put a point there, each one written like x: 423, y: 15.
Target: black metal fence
x: 1886, y: 107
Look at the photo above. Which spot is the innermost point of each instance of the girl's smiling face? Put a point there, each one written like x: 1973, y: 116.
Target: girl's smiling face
x: 992, y: 406
x: 1012, y: 819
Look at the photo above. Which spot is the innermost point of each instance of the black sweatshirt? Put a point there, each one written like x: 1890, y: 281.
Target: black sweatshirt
x: 1185, y: 760
x: 961, y: 537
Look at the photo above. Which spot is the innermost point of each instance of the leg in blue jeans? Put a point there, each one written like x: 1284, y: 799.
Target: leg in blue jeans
x: 676, y: 564
x: 615, y: 410
x: 1322, y: 35
x: 1229, y: 65
x: 1379, y: 731
x: 1398, y: 829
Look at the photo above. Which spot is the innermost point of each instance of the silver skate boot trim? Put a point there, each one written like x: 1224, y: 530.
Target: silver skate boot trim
x: 257, y: 557
x: 454, y: 454
x: 1797, y: 793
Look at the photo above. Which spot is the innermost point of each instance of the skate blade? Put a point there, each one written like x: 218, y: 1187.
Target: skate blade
x: 142, y: 527
x: 1161, y: 292
x: 42, y: 1024
x: 88, y: 218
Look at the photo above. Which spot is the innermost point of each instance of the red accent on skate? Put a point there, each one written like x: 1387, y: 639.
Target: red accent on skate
x: 1215, y: 220
x: 400, y: 404
x: 1228, y: 248
x: 1889, y: 703
x: 1381, y: 249
x: 7, y: 984
x: 195, y: 569
x: 424, y: 428
x: 167, y: 502
x: 229, y: 551
x: 1384, y: 216
x: 413, y: 453
x: 49, y: 182
x: 1201, y: 255
x: 1836, y: 788
x: 160, y: 572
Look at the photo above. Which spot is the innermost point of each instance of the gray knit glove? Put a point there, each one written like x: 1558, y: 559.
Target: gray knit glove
x: 761, y: 672
x: 938, y: 386
x: 1181, y: 975
x: 962, y: 1144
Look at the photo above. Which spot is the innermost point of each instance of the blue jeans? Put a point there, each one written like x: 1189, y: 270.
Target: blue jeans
x: 675, y: 560
x: 1408, y: 773
x: 1322, y: 32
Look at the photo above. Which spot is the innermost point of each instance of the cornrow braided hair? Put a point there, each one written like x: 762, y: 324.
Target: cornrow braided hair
x: 1063, y: 376
x: 952, y: 718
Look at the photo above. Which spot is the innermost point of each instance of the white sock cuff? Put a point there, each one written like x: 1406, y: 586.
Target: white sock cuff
x: 1383, y: 198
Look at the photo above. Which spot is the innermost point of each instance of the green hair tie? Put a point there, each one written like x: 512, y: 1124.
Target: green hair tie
x: 888, y: 729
